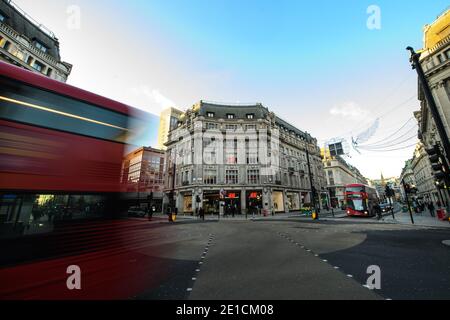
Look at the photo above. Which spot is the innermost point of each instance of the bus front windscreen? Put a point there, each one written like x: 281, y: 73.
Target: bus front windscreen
x: 356, y: 204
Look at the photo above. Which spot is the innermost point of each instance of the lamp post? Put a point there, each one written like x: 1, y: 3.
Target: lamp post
x: 313, y: 191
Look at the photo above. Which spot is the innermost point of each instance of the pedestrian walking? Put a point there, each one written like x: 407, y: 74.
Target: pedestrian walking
x: 431, y: 208
x: 377, y: 210
x: 202, y: 213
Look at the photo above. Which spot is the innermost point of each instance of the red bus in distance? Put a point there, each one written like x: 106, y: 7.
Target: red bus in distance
x: 360, y: 200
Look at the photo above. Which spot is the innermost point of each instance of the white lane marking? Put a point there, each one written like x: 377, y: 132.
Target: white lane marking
x: 197, y: 270
x: 194, y: 279
x: 325, y: 260
x: 189, y: 289
x: 336, y: 268
x: 350, y: 276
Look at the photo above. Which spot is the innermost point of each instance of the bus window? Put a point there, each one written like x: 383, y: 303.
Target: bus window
x: 26, y: 104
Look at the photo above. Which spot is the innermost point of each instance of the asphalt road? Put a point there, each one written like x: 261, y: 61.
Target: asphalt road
x: 282, y: 258
x: 297, y: 258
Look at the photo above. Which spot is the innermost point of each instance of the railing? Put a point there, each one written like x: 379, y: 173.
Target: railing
x: 20, y: 41
x: 27, y: 16
x: 231, y: 104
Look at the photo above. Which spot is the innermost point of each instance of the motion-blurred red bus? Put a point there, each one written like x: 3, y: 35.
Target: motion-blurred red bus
x: 360, y: 200
x: 61, y: 151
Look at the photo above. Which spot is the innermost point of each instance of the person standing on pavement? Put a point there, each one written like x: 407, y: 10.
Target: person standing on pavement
x: 431, y: 208
x: 202, y: 213
x: 377, y: 210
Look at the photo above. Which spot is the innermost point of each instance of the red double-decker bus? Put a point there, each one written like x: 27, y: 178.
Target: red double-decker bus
x: 61, y: 151
x: 360, y: 200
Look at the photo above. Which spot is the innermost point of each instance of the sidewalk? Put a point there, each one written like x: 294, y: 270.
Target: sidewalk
x: 294, y: 214
x: 420, y: 219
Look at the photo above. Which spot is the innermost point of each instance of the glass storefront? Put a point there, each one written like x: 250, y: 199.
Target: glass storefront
x: 254, y: 201
x: 293, y: 200
x: 211, y: 201
x: 30, y: 214
x: 232, y: 203
x: 278, y: 202
x: 187, y: 204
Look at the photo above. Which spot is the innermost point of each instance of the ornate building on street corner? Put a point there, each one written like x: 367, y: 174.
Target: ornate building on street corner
x: 435, y: 60
x: 339, y: 174
x: 240, y: 157
x: 28, y: 44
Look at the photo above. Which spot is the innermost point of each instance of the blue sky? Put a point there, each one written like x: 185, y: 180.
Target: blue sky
x: 312, y: 62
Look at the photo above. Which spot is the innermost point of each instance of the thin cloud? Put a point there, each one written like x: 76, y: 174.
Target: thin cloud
x: 351, y: 111
x: 151, y: 100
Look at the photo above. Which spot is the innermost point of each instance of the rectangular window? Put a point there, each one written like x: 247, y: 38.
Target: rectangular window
x: 250, y: 116
x: 210, y: 114
x: 440, y: 59
x: 7, y: 45
x: 26, y: 104
x: 231, y: 127
x: 231, y: 177
x: 251, y: 127
x: 253, y: 176
x: 38, y: 66
x: 231, y: 152
x: 41, y: 46
x: 211, y: 126
x: 230, y: 116
x: 447, y: 54
x: 210, y: 176
x: 2, y: 17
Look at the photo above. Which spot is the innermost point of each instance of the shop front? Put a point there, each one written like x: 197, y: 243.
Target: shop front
x: 232, y: 203
x: 187, y: 203
x: 306, y: 199
x: 278, y: 202
x: 293, y: 201
x: 211, y: 202
x: 254, y: 201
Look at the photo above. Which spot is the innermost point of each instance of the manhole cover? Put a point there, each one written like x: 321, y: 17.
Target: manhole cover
x: 446, y: 242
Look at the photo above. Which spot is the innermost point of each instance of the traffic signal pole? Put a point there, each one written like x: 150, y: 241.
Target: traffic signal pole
x: 430, y: 102
x: 407, y: 200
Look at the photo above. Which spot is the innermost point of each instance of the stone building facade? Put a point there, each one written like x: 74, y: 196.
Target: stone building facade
x: 435, y: 60
x: 142, y: 175
x: 339, y: 174
x: 423, y: 175
x: 407, y: 176
x: 28, y: 44
x: 240, y: 157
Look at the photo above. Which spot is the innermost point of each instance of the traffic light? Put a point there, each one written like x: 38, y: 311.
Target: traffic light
x: 387, y: 191
x: 407, y: 188
x: 439, y: 164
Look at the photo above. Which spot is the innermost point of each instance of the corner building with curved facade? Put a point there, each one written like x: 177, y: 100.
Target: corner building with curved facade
x: 241, y: 158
